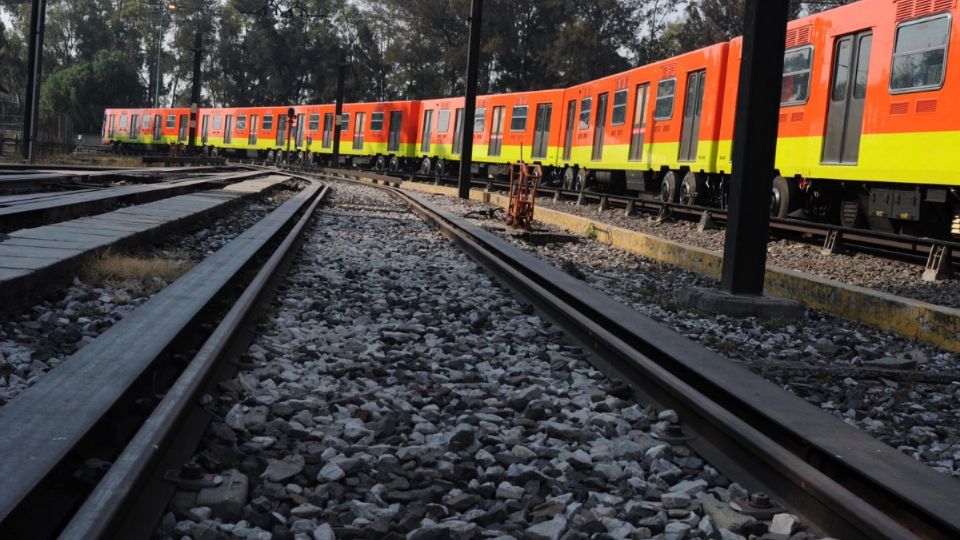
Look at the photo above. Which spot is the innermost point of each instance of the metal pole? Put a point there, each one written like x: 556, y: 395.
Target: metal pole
x: 156, y: 99
x: 38, y: 15
x: 754, y: 146
x: 470, y: 101
x: 341, y: 69
x: 195, y: 93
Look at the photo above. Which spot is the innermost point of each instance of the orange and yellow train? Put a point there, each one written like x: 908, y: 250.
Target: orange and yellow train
x: 868, y: 133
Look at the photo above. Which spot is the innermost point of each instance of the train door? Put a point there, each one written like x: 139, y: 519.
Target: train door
x: 184, y: 126
x: 427, y: 131
x: 496, y: 132
x: 692, y: 111
x: 541, y: 130
x: 135, y: 126
x: 327, y: 130
x: 228, y: 130
x: 393, y: 137
x: 358, y: 125
x: 639, y: 128
x: 571, y: 122
x: 458, y: 132
x: 157, y: 127
x: 281, y: 130
x: 598, y: 127
x: 252, y: 137
x: 204, y: 129
x: 301, y: 128
x: 848, y: 92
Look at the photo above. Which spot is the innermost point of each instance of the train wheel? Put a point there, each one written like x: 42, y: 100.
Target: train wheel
x: 850, y: 211
x: 440, y: 168
x: 569, y: 174
x: 692, y: 188
x: 784, y: 197
x: 394, y: 164
x: 669, y: 187
x: 425, y: 166
x: 581, y: 182
x: 380, y: 164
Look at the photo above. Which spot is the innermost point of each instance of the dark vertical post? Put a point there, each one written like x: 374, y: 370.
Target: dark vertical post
x: 38, y: 15
x: 470, y: 100
x: 341, y: 68
x: 754, y: 146
x: 195, y: 92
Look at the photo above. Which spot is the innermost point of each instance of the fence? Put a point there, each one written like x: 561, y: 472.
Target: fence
x: 54, y: 131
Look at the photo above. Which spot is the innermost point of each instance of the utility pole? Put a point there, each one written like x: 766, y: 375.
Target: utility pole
x: 38, y: 16
x: 470, y: 101
x: 338, y: 111
x: 195, y: 93
x: 754, y: 147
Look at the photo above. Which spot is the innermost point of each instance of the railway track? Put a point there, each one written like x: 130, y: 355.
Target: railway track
x: 939, y: 257
x: 115, y: 395
x: 840, y: 480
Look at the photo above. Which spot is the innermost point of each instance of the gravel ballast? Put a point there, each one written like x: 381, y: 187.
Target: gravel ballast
x: 395, y: 391
x: 841, y: 366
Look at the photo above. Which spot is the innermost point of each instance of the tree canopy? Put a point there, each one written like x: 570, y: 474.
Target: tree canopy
x: 104, y: 52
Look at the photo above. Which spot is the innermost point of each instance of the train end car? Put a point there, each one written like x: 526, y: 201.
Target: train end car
x: 510, y: 127
x: 655, y: 127
x: 145, y: 129
x: 870, y: 117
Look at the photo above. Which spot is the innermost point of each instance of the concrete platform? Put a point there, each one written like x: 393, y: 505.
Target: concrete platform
x: 723, y: 303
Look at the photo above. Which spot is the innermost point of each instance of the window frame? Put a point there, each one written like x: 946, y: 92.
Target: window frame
x: 673, y: 99
x: 809, y: 70
x: 480, y: 113
x: 217, y: 122
x: 145, y: 122
x: 946, y: 53
x: 266, y: 123
x: 513, y: 116
x: 580, y: 123
x: 626, y: 103
x: 240, y: 124
x: 171, y: 119
x: 443, y: 120
x: 373, y: 116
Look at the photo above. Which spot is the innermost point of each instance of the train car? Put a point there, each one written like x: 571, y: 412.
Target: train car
x: 381, y: 135
x: 869, y: 118
x: 655, y: 127
x: 145, y: 128
x: 517, y: 126
x: 253, y: 132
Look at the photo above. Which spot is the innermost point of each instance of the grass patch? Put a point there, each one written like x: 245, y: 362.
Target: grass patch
x: 146, y: 275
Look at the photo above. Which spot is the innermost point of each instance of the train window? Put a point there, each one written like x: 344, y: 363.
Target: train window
x: 665, y: 91
x: 344, y: 121
x: 443, y: 121
x: 376, y: 121
x: 920, y: 54
x: 241, y: 123
x: 619, y: 116
x: 327, y: 130
x: 842, y: 70
x: 267, y: 124
x: 585, y: 105
x: 146, y: 122
x: 314, y: 122
x: 123, y: 120
x: 479, y: 119
x: 796, y: 76
x: 171, y: 121
x: 518, y: 118
x: 217, y: 122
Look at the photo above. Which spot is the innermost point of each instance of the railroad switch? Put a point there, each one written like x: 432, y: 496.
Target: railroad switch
x: 939, y: 263
x: 524, y: 181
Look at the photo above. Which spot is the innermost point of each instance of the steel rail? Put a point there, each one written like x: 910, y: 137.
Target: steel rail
x: 125, y: 503
x: 96, y: 405
x: 840, y: 479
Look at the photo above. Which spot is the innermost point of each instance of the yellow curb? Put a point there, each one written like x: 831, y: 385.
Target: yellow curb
x: 921, y: 321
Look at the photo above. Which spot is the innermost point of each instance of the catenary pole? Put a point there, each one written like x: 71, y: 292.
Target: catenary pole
x: 341, y: 69
x: 195, y: 91
x: 38, y: 15
x: 470, y: 100
x: 754, y: 146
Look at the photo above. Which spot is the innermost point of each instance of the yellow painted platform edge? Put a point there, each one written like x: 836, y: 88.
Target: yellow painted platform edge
x: 914, y: 319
